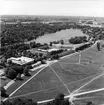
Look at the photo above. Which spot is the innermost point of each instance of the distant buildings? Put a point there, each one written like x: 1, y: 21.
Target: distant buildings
x: 53, y: 49
x: 64, y: 46
x: 91, y: 23
x: 56, y: 47
x: 36, y: 64
x: 48, y: 50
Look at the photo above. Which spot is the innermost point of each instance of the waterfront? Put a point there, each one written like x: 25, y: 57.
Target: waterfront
x: 63, y: 34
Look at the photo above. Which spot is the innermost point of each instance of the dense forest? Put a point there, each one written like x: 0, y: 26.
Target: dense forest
x: 18, y: 33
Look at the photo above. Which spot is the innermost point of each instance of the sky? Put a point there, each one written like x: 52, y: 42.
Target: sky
x: 53, y: 7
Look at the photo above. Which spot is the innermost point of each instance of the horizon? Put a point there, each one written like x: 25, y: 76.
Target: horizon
x: 51, y: 15
x: 78, y: 8
x: 62, y: 16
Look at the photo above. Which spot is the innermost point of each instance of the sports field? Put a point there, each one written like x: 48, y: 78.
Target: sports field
x: 82, y: 80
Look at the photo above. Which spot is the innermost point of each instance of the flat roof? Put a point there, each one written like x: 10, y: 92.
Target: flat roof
x: 21, y: 60
x: 54, y: 49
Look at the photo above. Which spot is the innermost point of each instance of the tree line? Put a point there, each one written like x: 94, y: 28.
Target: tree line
x: 59, y: 100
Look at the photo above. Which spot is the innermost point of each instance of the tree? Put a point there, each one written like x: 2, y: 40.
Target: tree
x: 3, y: 92
x: 38, y: 45
x: 50, y: 43
x: 78, y: 40
x: 62, y: 41
x: 23, y: 47
x: 45, y: 44
x: 3, y: 61
x: 10, y: 52
x: 32, y: 44
x: 40, y: 54
x: 66, y: 102
x: 26, y: 70
x: 60, y: 96
x: 17, y: 68
x: 12, y: 74
x: 57, y: 56
x: 59, y: 100
x: 98, y: 46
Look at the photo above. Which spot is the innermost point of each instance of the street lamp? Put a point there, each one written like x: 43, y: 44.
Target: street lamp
x: 79, y: 58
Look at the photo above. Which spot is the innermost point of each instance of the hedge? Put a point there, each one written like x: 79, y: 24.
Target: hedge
x: 83, y: 47
x: 66, y: 53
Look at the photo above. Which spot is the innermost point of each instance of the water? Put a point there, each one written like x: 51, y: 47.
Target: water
x: 63, y: 34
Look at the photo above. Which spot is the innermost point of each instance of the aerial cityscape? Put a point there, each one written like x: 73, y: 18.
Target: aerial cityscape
x: 51, y: 59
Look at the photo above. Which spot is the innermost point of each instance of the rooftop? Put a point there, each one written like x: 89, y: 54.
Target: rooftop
x: 21, y: 60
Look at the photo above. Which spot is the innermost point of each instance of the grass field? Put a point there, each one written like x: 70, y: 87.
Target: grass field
x: 85, y: 80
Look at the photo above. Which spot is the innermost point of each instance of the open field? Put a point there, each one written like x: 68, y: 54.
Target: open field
x: 85, y: 81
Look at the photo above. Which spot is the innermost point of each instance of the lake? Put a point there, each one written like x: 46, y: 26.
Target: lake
x: 63, y: 34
